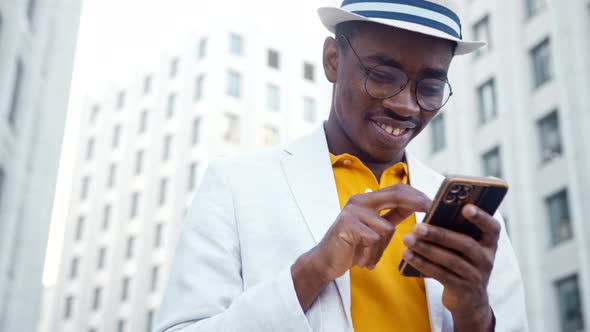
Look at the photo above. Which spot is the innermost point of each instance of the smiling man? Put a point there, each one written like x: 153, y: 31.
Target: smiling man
x: 308, y: 236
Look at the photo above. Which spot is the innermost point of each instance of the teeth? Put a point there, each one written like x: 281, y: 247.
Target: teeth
x: 391, y: 130
x: 398, y: 131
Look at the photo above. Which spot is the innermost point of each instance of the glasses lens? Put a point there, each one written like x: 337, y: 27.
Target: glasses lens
x: 432, y: 93
x: 385, y: 81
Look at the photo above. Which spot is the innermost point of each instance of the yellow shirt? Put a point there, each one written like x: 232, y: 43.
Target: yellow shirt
x: 382, y: 299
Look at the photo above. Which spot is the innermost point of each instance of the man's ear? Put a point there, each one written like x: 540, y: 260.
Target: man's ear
x: 330, y: 59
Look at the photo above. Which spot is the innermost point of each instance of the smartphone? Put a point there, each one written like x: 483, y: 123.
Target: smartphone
x: 456, y: 190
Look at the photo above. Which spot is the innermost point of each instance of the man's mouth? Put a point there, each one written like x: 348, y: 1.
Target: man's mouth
x: 391, y: 130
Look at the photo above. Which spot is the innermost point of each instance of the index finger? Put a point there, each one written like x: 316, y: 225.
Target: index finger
x: 490, y: 227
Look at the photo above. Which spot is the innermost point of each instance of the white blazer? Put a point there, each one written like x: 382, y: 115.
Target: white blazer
x: 254, y: 215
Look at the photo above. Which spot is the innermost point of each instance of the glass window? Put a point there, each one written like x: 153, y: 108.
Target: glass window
x: 234, y: 82
x: 102, y: 257
x: 121, y: 325
x: 236, y: 44
x: 199, y: 87
x: 139, y: 162
x: 171, y: 105
x: 112, y: 175
x: 492, y: 163
x: 85, y: 187
x: 125, y: 289
x: 271, y: 135
x: 106, y: 216
x: 195, y: 131
x: 309, y: 110
x: 570, y: 304
x: 130, y: 247
x: 549, y: 136
x: 559, y: 217
x: 163, y: 191
x: 202, y: 48
x: 232, y: 130
x: 79, y: 233
x: 542, y: 63
x: 174, y: 67
x: 116, y: 136
x: 308, y: 71
x: 149, y: 321
x: 94, y: 112
x: 158, y: 235
x: 273, y: 99
x: 486, y: 95
x: 143, y: 121
x: 481, y: 31
x: 147, y: 84
x: 533, y: 6
x: 273, y: 59
x: 16, y: 92
x: 167, y: 147
x: 154, y: 278
x: 96, y: 298
x: 192, y: 176
x: 121, y: 99
x: 68, y: 307
x: 31, y: 9
x: 438, y: 135
x: 74, y: 267
x: 90, y: 149
x: 134, y: 205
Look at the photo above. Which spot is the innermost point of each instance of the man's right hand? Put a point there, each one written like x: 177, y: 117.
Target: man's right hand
x: 358, y: 237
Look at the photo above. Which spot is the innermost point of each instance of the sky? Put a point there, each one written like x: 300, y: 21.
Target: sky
x: 118, y: 36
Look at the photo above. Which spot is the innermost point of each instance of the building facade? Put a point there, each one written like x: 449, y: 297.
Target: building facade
x: 145, y: 145
x: 519, y: 112
x: 37, y: 43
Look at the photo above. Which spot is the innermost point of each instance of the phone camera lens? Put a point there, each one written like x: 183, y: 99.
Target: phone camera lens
x: 463, y: 194
x: 455, y: 188
x: 450, y: 198
x: 467, y: 188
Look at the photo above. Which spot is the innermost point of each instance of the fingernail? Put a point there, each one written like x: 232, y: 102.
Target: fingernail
x: 469, y: 211
x: 421, y: 229
x: 408, y: 255
x: 409, y: 240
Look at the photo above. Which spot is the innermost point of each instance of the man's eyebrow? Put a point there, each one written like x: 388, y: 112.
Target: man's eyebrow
x: 427, y: 72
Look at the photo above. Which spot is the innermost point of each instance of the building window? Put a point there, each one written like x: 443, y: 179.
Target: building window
x: 143, y: 121
x: 134, y: 205
x: 31, y: 10
x: 542, y: 63
x: 273, y: 98
x: 171, y: 107
x: 174, y: 67
x: 16, y: 92
x: 559, y: 217
x: 96, y: 298
x: 486, y: 96
x: 202, y: 48
x: 139, y: 162
x: 570, y: 304
x: 112, y: 176
x: 438, y: 136
x: 116, y: 136
x: 154, y: 278
x: 236, y: 44
x: 94, y: 112
x: 166, y: 148
x: 273, y: 59
x: 163, y: 191
x: 533, y: 6
x: 234, y: 82
x: 102, y: 257
x: 74, y: 267
x: 85, y: 187
x: 90, y: 149
x: 195, y: 131
x: 121, y: 325
x: 309, y: 110
x: 147, y: 84
x: 308, y: 71
x: 130, y: 247
x: 199, y: 87
x: 271, y: 135
x: 121, y: 99
x: 158, y: 235
x: 79, y: 233
x: 149, y: 320
x: 192, y: 176
x: 125, y: 289
x: 492, y: 163
x: 481, y: 31
x: 68, y: 308
x: 550, y: 137
x: 106, y: 216
x: 232, y: 130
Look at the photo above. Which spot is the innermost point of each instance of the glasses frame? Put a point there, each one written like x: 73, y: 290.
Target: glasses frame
x: 368, y: 71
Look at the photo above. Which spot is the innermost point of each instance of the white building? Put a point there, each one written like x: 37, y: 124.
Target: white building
x: 143, y: 147
x: 521, y: 110
x: 37, y: 43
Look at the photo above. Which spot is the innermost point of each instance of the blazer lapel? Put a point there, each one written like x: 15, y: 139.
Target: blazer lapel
x: 308, y: 171
x: 428, y: 181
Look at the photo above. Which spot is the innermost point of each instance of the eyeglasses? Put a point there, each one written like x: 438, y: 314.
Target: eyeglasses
x: 383, y: 82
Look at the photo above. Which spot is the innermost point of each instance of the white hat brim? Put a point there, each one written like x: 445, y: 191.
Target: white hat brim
x: 332, y: 16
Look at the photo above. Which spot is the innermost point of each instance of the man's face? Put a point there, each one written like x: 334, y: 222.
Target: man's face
x: 360, y: 121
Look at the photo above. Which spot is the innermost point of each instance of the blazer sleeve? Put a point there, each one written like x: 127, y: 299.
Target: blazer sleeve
x: 505, y: 288
x: 205, y: 290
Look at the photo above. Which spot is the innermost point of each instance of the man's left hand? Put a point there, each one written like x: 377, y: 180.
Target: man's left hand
x: 434, y: 251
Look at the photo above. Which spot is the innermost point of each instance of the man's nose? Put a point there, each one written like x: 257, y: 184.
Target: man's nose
x: 404, y: 103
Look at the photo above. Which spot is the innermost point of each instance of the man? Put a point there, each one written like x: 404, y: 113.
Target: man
x: 308, y: 236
